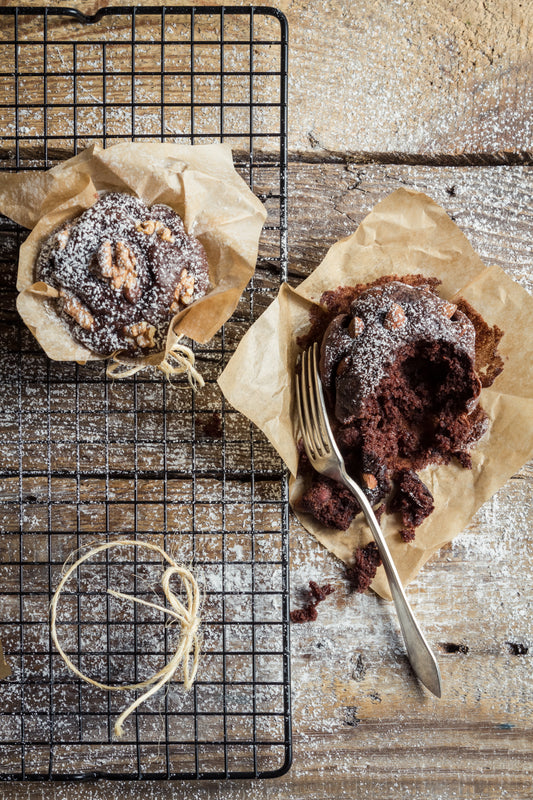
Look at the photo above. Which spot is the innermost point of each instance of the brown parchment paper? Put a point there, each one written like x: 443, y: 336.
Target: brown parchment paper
x: 197, y: 181
x: 405, y: 233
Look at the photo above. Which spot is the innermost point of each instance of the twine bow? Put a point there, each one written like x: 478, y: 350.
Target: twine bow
x: 179, y: 359
x: 188, y: 650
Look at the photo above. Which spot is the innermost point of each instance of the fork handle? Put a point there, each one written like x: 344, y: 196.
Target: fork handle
x: 419, y: 652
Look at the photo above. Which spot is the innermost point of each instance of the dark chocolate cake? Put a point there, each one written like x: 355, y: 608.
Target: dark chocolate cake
x: 401, y: 374
x: 122, y: 271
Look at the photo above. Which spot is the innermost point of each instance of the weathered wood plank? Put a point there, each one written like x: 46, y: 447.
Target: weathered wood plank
x: 491, y: 205
x: 362, y: 726
x: 415, y: 80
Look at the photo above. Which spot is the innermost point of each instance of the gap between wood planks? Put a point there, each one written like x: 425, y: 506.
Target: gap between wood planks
x: 521, y: 158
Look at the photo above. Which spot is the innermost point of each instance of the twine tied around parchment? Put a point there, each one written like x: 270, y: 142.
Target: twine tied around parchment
x: 188, y: 649
x: 179, y: 358
x: 182, y: 355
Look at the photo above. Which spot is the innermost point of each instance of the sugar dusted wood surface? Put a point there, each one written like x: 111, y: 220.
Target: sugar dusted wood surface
x: 416, y: 79
x: 362, y: 726
x: 421, y: 82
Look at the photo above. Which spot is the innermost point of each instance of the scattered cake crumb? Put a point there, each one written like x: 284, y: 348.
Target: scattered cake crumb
x: 412, y: 500
x: 330, y: 503
x: 316, y: 595
x: 364, y: 567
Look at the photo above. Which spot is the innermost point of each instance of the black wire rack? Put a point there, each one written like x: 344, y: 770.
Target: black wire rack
x: 84, y: 458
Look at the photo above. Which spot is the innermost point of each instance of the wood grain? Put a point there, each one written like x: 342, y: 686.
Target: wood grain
x: 419, y: 81
x: 362, y: 726
x: 492, y: 206
x: 426, y: 89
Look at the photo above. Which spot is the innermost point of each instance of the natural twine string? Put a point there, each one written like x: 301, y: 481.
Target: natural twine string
x: 188, y: 650
x: 182, y: 355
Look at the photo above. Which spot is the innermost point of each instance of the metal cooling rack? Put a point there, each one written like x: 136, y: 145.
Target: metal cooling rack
x: 84, y: 458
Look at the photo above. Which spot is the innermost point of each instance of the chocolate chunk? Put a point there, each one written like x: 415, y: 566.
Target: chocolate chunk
x: 329, y: 502
x: 412, y: 500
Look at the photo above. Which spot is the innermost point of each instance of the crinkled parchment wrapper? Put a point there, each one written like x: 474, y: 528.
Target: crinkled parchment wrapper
x: 405, y: 233
x: 197, y: 181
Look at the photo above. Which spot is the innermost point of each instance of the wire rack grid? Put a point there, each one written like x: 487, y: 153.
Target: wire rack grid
x: 84, y: 458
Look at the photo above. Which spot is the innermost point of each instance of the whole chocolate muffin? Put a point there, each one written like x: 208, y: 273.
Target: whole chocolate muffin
x: 402, y: 385
x: 122, y: 271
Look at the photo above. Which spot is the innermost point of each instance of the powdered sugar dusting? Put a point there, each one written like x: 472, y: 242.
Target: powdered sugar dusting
x: 118, y: 267
x: 374, y: 349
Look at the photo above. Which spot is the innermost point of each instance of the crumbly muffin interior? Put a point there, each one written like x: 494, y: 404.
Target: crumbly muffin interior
x: 402, y: 385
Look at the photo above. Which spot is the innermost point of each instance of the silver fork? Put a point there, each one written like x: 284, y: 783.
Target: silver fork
x: 326, y: 458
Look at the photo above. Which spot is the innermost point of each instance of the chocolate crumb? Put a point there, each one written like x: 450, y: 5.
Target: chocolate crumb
x: 316, y: 595
x: 329, y: 502
x: 412, y: 500
x: 363, y: 570
x: 464, y: 459
x: 407, y: 534
x: 306, y: 614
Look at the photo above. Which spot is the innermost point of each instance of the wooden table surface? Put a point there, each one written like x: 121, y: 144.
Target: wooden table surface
x: 433, y: 95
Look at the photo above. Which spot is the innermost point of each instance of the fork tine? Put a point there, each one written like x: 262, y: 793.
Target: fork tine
x: 310, y: 385
x: 308, y: 412
x: 310, y: 404
x: 322, y: 427
x: 316, y: 433
x: 302, y: 415
x: 316, y: 402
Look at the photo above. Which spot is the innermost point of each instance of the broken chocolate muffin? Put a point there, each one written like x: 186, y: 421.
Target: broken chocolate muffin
x: 402, y: 384
x: 122, y: 271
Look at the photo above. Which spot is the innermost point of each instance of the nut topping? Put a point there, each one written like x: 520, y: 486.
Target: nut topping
x: 448, y: 309
x: 151, y: 226
x: 104, y: 259
x: 184, y: 291
x: 464, y: 328
x: 166, y: 235
x: 78, y: 312
x: 369, y: 480
x: 141, y: 333
x: 61, y: 238
x: 125, y: 275
x: 356, y: 327
x: 119, y: 268
x: 147, y: 227
x: 395, y: 317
